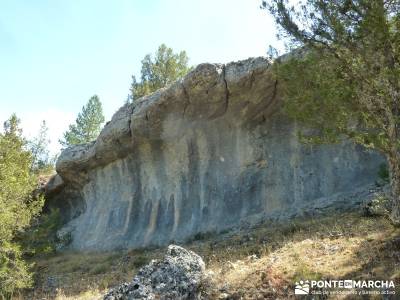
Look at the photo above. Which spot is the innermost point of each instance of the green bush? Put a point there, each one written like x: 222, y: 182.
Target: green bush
x: 383, y: 173
x: 18, y: 206
x: 41, y: 238
x: 378, y: 206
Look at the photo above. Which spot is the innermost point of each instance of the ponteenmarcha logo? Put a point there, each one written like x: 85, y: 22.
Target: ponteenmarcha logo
x: 302, y: 288
x: 313, y: 286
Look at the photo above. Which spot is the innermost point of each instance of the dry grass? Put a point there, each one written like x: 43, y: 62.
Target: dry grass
x: 88, y: 295
x: 345, y: 246
x: 84, y: 275
x: 261, y: 263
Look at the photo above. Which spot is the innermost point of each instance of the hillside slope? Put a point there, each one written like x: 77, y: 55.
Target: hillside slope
x: 258, y: 263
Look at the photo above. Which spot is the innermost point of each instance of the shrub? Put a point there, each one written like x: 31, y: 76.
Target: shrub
x: 383, y: 173
x: 17, y: 206
x: 41, y: 238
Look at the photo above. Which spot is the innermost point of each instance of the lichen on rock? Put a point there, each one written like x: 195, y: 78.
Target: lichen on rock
x: 177, y: 276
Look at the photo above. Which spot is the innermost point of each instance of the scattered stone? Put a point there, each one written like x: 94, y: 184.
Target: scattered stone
x: 64, y: 238
x: 224, y: 296
x: 178, y: 276
x: 253, y: 257
x: 377, y: 204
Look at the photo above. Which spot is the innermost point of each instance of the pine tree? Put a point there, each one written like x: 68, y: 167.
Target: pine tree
x: 158, y: 71
x: 345, y: 80
x: 17, y: 206
x: 87, y: 125
x: 39, y: 149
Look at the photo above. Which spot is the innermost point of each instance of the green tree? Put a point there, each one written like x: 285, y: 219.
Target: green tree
x: 343, y: 79
x: 17, y: 206
x: 87, y: 125
x: 39, y: 149
x: 158, y: 71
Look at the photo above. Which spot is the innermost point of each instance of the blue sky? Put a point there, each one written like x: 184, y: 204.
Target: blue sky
x: 55, y: 54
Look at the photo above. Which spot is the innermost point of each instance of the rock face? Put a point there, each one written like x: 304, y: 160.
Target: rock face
x: 177, y: 276
x: 207, y: 153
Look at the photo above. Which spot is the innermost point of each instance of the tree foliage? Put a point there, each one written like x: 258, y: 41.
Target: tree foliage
x: 344, y: 77
x: 158, y: 71
x: 87, y: 125
x: 38, y: 146
x: 17, y: 205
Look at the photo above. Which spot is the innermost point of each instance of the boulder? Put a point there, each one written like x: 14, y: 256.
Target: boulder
x: 177, y: 276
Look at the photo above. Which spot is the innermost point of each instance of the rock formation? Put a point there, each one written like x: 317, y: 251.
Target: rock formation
x: 177, y: 276
x: 209, y: 152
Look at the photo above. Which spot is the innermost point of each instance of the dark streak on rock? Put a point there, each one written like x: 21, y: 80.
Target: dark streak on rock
x: 187, y: 100
x: 227, y: 94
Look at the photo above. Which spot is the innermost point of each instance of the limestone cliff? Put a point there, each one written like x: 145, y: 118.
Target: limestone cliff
x: 210, y: 152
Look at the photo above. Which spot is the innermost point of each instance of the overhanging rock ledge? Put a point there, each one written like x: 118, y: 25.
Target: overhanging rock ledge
x: 207, y: 153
